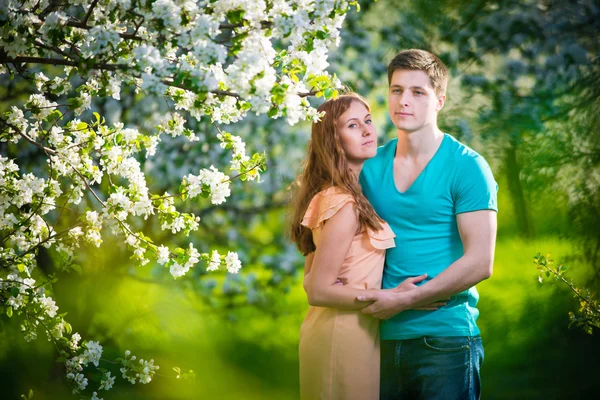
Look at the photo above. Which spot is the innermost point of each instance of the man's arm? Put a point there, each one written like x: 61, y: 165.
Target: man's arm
x: 478, y: 234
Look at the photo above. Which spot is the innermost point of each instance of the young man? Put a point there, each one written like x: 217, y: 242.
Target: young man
x: 439, y: 197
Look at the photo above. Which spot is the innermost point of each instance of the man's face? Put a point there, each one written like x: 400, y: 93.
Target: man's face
x: 412, y: 102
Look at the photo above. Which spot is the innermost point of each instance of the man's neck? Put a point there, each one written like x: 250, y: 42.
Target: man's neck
x: 414, y: 145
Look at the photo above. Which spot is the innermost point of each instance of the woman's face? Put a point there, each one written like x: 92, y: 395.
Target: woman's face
x: 357, y: 134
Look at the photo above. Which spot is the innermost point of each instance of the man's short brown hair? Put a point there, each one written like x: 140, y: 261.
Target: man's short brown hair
x: 421, y: 60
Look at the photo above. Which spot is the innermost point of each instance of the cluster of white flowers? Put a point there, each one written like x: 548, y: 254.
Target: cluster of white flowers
x: 173, y: 220
x: 74, y: 367
x: 240, y: 162
x: 74, y: 342
x: 106, y: 41
x: 107, y: 381
x: 147, y: 371
x: 49, y: 305
x: 16, y: 117
x: 93, y: 235
x: 92, y: 353
x: 168, y: 12
x: 310, y: 27
x: 232, y: 262
x: 16, y: 300
x: 210, y: 181
x: 215, y: 261
x: 143, y: 371
x: 214, y: 60
x: 163, y: 255
x: 178, y: 270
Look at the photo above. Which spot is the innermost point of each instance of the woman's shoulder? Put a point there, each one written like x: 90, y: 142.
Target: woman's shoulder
x: 324, y: 205
x: 332, y: 191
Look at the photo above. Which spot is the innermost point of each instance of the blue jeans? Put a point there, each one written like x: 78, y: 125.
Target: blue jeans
x: 431, y: 368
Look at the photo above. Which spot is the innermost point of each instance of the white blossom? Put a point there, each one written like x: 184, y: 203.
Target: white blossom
x: 107, y: 381
x: 74, y: 342
x: 40, y: 106
x: 85, y: 103
x: 147, y: 371
x: 49, y: 306
x: 216, y: 181
x: 163, y: 254
x: 215, y: 261
x: 177, y: 270
x: 232, y: 262
x: 92, y: 353
x: 40, y: 80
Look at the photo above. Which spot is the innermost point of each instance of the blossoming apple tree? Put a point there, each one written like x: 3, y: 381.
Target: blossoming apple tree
x: 211, y: 60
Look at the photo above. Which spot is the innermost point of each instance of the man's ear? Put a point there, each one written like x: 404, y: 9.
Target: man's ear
x: 441, y: 100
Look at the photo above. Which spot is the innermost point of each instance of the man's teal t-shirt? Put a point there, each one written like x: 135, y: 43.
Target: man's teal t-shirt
x: 456, y: 180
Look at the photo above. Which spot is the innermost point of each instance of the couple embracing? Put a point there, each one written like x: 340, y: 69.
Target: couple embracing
x: 395, y: 239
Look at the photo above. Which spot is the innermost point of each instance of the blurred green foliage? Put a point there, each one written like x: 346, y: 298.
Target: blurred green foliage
x: 524, y: 93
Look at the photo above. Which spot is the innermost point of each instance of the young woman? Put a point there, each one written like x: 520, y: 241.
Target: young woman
x: 344, y: 242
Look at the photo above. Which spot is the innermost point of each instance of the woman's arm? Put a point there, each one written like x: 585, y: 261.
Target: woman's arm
x: 307, y: 264
x: 320, y: 281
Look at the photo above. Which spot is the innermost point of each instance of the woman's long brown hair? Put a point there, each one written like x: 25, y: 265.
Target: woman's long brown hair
x: 326, y: 166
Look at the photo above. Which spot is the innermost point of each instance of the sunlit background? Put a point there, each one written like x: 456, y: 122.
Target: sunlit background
x: 524, y: 93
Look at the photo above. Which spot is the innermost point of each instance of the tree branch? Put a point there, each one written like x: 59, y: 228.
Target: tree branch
x: 89, y: 13
x: 58, y: 61
x: 46, y: 150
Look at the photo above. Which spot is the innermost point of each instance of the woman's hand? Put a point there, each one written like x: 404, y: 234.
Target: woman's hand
x: 410, y: 283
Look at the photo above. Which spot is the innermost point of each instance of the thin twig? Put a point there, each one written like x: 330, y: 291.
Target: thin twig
x: 89, y: 13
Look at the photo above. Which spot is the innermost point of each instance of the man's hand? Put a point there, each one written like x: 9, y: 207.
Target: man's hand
x: 409, y: 283
x: 387, y: 303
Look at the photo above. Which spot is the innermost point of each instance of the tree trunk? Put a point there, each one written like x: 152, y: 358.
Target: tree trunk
x: 515, y: 188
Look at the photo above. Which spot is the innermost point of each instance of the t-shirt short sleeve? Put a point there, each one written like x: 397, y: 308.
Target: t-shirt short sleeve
x: 475, y: 187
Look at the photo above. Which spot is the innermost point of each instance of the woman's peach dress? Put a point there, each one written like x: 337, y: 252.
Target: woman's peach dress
x: 339, y: 349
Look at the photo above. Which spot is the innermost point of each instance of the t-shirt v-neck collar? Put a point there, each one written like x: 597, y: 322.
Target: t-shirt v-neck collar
x: 435, y: 155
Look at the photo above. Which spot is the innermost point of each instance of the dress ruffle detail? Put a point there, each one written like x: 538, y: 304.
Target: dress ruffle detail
x: 327, y: 202
x: 383, y: 238
x: 324, y: 206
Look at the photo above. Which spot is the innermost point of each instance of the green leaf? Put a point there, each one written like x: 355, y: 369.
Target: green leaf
x: 9, y: 312
x: 236, y: 16
x: 322, y: 35
x: 76, y: 268
x: 74, y: 102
